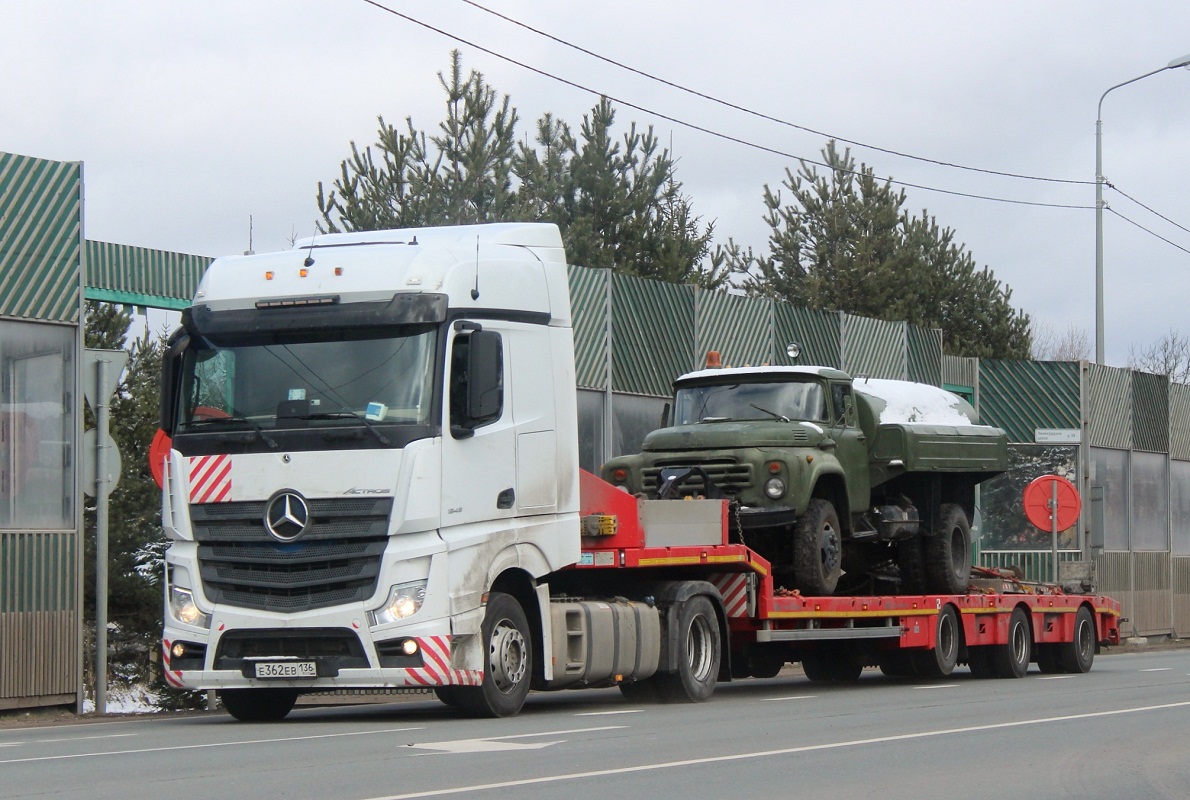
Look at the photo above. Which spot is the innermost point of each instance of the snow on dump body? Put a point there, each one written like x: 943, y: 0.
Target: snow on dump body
x: 906, y: 402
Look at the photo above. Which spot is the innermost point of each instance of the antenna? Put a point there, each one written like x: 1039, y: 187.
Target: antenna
x: 475, y: 291
x: 309, y: 262
x: 249, y: 251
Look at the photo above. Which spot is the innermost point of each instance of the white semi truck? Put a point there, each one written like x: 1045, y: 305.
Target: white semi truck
x: 370, y: 480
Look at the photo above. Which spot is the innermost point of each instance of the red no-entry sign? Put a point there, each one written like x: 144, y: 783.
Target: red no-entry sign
x: 1040, y: 496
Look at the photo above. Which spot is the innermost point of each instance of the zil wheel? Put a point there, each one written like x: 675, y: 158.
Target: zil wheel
x: 508, y: 664
x: 948, y: 551
x: 818, y: 549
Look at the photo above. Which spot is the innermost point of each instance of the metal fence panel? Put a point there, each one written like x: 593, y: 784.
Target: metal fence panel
x: 874, y: 347
x: 1110, y: 412
x: 157, y: 278
x: 40, y: 235
x: 925, y: 355
x: 739, y: 328
x: 1021, y: 396
x: 817, y: 333
x: 588, y: 310
x: 652, y: 334
x: 1179, y: 421
x: 1181, y: 596
x: 1150, y: 412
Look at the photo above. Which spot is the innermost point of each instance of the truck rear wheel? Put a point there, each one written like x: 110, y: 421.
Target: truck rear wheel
x: 258, y: 705
x: 940, y: 661
x: 818, y: 549
x: 948, y: 551
x: 698, y: 654
x: 508, y: 662
x: 1011, y: 659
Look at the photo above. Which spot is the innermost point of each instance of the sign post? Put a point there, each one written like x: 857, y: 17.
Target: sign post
x: 1052, y: 503
x: 102, y: 374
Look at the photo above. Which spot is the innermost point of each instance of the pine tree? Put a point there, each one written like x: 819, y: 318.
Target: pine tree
x: 844, y: 242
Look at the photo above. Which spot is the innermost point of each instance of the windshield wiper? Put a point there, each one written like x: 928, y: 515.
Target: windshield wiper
x: 380, y: 437
x: 772, y: 414
x: 235, y: 416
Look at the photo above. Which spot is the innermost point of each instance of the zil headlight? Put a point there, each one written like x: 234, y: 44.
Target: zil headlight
x: 183, y: 608
x: 774, y: 488
x: 403, y: 602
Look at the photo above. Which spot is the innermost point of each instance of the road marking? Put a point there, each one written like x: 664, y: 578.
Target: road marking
x: 494, y: 744
x: 573, y: 776
x: 609, y: 713
x: 1054, y: 677
x: 202, y: 746
x: 937, y: 686
x: 85, y: 738
x: 791, y: 697
x: 1157, y: 669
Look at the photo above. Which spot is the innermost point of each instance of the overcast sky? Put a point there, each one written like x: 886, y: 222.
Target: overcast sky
x: 190, y: 117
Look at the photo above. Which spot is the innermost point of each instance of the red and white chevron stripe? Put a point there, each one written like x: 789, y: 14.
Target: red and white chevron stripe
x: 172, y: 676
x: 734, y: 588
x: 210, y: 479
x: 435, y: 653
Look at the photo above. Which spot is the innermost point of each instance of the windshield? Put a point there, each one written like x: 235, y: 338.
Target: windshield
x: 748, y: 401
x: 375, y: 380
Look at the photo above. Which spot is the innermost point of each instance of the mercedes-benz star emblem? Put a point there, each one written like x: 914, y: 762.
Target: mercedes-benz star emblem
x: 286, y: 516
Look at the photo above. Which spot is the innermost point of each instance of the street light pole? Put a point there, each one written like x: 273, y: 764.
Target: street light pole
x: 1183, y: 61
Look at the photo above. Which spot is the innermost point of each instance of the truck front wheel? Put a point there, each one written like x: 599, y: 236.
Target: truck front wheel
x: 818, y: 549
x: 948, y: 551
x: 508, y: 662
x: 258, y: 705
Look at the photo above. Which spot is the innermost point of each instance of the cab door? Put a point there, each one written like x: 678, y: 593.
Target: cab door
x: 852, y: 447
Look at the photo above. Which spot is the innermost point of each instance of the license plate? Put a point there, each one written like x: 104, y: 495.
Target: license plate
x: 286, y: 669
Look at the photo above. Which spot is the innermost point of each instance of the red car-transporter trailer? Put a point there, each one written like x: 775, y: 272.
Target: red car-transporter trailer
x: 997, y: 628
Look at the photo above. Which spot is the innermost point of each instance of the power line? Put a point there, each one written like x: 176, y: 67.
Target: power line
x: 1154, y: 212
x: 767, y: 117
x: 1146, y: 230
x: 708, y: 131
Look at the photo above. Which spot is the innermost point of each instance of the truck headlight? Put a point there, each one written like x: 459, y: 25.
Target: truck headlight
x: 774, y: 488
x: 183, y: 608
x: 403, y: 602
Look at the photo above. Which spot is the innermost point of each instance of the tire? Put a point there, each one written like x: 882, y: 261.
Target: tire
x: 948, y: 551
x: 1078, y: 655
x: 448, y: 695
x: 258, y: 705
x: 826, y: 666
x: 897, y: 664
x: 646, y: 691
x: 698, y: 654
x: 1049, y: 658
x: 941, y: 660
x: 912, y: 564
x: 508, y: 663
x: 818, y: 549
x: 1011, y: 659
x: 765, y: 666
x: 979, y: 661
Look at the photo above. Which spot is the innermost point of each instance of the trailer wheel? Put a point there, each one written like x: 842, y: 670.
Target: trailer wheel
x: 940, y: 661
x: 508, y: 665
x: 258, y: 705
x: 897, y: 664
x: 765, y: 666
x: 818, y: 549
x: 698, y: 654
x: 826, y: 666
x: 448, y: 695
x: 948, y: 551
x: 1077, y: 656
x: 646, y: 691
x: 979, y: 661
x: 1011, y: 659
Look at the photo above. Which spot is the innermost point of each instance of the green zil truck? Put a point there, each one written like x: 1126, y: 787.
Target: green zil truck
x: 843, y: 485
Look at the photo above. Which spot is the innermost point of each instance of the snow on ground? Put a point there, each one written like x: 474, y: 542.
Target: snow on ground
x: 907, y: 402
x: 134, y: 699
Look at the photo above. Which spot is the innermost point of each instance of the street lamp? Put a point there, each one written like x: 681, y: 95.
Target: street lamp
x: 1183, y: 61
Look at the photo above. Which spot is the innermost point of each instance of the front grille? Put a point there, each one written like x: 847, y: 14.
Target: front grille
x: 732, y: 478
x: 336, y: 561
x: 340, y: 647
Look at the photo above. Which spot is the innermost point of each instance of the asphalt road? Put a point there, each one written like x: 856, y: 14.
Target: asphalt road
x: 1118, y: 732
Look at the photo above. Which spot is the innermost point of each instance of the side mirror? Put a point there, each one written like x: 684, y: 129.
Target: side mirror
x: 664, y: 416
x: 485, y: 387
x: 171, y: 372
